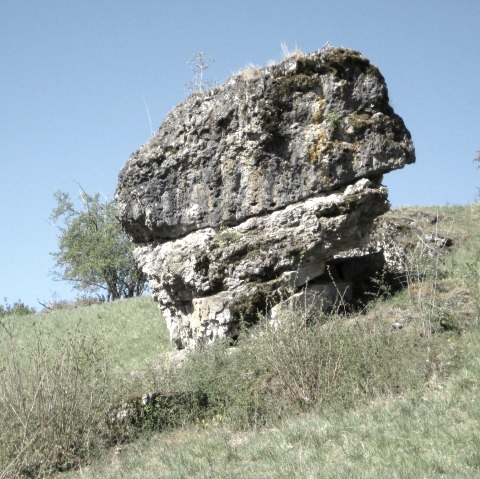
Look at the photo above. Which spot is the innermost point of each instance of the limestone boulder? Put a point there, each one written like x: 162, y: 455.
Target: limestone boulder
x: 247, y: 191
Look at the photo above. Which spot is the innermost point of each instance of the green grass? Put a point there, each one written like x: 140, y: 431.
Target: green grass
x: 430, y: 434
x: 60, y: 373
x: 343, y: 397
x: 132, y: 330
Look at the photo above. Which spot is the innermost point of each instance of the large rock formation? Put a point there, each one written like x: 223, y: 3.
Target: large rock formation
x: 248, y: 191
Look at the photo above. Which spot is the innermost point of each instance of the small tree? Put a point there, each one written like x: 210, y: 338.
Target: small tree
x: 94, y: 253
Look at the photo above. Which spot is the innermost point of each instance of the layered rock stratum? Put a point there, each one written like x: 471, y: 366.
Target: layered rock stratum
x: 248, y: 192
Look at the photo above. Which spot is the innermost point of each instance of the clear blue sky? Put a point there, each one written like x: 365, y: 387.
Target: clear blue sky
x: 76, y: 77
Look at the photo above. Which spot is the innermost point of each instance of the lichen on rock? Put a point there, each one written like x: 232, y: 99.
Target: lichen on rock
x: 248, y: 190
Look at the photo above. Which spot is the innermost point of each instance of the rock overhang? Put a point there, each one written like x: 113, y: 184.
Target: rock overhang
x: 281, y: 134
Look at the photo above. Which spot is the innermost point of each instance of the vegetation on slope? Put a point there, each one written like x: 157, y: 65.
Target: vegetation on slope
x: 94, y: 254
x: 388, y: 392
x: 60, y: 372
x: 433, y: 433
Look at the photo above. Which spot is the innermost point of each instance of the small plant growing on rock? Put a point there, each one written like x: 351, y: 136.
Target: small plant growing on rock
x: 333, y: 118
x: 288, y: 53
x: 199, y: 63
x: 229, y: 236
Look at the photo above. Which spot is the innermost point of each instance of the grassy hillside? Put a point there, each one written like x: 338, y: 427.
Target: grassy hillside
x: 430, y: 434
x: 131, y: 330
x: 392, y: 391
x: 59, y: 374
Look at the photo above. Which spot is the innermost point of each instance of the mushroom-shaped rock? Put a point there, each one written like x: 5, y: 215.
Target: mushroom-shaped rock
x: 247, y: 191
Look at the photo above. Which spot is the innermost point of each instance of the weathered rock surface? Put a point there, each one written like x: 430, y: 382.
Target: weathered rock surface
x: 248, y: 191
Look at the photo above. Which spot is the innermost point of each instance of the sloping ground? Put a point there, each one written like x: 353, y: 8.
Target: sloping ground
x: 431, y: 435
x: 59, y: 374
x: 428, y: 430
x: 397, y: 394
x: 131, y: 330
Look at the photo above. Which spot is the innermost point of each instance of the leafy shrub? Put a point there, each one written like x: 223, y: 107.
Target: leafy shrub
x: 18, y: 308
